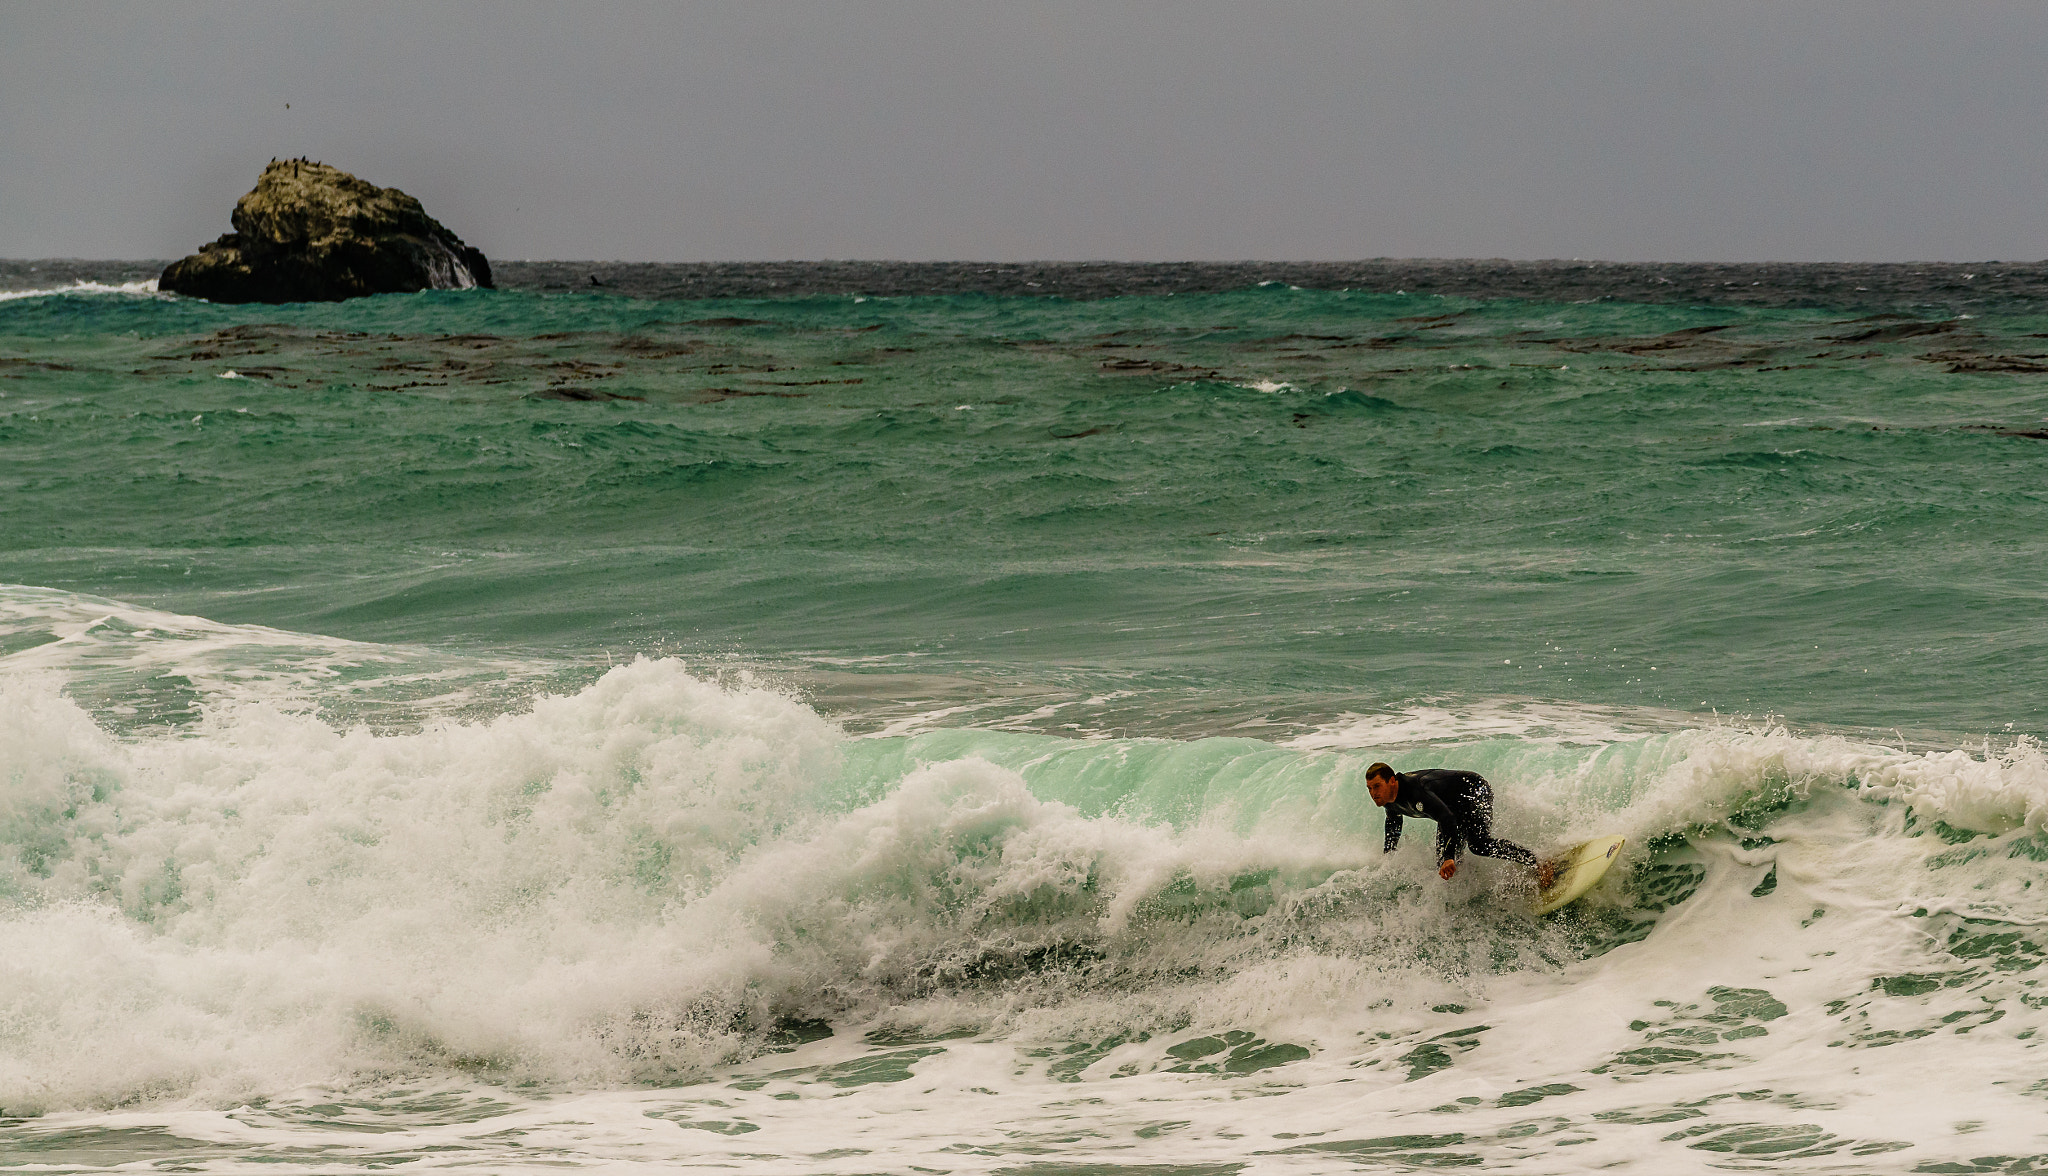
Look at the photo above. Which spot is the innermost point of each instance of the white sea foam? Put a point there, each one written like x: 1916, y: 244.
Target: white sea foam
x: 144, y: 664
x: 1505, y: 718
x: 484, y: 890
x: 147, y: 286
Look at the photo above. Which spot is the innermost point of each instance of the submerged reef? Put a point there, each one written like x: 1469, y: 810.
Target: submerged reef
x: 312, y: 233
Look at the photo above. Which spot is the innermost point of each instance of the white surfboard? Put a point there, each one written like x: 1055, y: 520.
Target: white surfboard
x: 1578, y: 869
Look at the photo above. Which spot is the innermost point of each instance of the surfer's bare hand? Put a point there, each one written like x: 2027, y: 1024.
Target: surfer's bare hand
x: 1449, y: 867
x: 1546, y: 873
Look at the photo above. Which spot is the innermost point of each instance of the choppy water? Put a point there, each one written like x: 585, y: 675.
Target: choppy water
x: 922, y: 729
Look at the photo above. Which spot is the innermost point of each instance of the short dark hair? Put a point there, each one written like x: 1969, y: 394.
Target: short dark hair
x: 1377, y: 770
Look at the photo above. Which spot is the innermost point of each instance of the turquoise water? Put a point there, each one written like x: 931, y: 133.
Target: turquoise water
x: 1271, y: 504
x: 575, y: 728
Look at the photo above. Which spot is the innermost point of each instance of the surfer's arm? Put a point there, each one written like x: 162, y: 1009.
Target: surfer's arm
x: 1450, y: 838
x: 1450, y: 826
x: 1393, y: 831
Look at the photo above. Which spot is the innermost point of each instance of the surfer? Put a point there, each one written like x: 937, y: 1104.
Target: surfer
x: 1461, y: 804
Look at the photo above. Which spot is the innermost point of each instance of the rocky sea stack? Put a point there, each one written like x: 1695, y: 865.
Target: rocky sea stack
x: 313, y: 233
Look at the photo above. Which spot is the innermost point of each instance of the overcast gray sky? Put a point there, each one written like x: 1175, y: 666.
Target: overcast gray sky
x: 1653, y: 130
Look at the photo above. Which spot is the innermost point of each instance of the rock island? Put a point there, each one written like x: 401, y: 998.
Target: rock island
x: 313, y: 233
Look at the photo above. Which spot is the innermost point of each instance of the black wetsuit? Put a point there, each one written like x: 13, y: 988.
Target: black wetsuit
x: 1461, y: 804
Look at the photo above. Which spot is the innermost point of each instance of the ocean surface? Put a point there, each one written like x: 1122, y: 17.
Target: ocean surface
x: 884, y: 718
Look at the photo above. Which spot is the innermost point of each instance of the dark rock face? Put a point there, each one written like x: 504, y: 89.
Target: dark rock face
x: 314, y: 233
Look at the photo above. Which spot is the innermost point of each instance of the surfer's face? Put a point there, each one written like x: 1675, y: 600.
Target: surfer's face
x: 1382, y: 789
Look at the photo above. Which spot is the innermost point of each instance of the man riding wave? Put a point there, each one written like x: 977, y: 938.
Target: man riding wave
x: 1461, y: 804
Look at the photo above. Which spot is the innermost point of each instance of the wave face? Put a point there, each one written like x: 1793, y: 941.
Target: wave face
x: 842, y: 734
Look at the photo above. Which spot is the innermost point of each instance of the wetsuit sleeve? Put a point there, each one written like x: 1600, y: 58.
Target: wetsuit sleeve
x: 1393, y: 830
x: 1450, y: 838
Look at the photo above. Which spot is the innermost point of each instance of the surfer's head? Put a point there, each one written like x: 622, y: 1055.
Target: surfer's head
x: 1382, y: 783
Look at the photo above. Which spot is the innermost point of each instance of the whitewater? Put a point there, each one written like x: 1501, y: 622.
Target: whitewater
x: 666, y: 920
x: 524, y: 730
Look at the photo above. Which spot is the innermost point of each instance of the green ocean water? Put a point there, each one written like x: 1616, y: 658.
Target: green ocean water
x: 922, y: 729
x: 1264, y: 506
